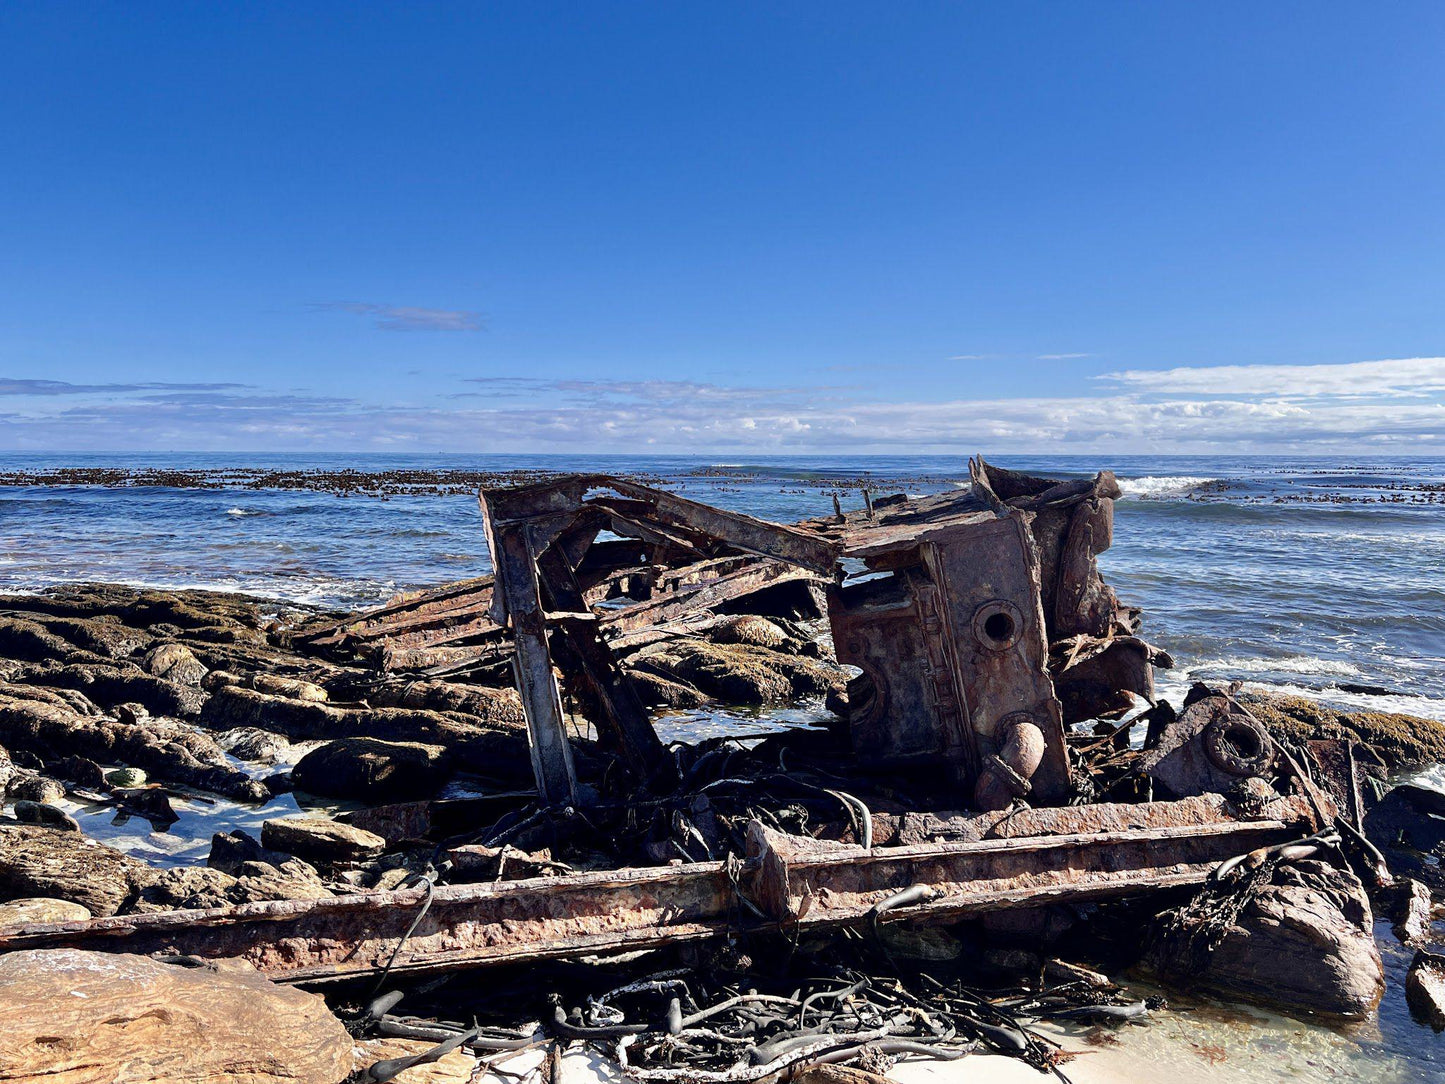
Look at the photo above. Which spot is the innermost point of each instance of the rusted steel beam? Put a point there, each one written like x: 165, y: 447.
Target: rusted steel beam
x: 624, y: 721
x: 516, y: 571
x: 671, y: 605
x: 792, y: 544
x: 798, y: 883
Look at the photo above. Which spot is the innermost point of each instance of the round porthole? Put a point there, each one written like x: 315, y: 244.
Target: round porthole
x: 998, y: 625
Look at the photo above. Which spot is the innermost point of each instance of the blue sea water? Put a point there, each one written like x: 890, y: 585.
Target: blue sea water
x: 1311, y: 573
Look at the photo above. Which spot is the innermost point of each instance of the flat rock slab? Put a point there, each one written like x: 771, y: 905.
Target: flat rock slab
x: 73, y: 1017
x: 40, y: 861
x: 39, y: 909
x: 321, y: 839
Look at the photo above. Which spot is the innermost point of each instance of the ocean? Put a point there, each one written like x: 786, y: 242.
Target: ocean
x: 1316, y: 575
x: 1324, y: 576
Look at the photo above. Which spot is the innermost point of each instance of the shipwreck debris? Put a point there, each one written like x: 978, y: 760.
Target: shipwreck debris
x: 520, y: 804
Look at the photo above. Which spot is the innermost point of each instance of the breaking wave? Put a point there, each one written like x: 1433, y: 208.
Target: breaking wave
x: 1155, y: 487
x: 243, y: 512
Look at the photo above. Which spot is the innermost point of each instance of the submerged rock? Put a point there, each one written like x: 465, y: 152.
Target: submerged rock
x: 43, y: 861
x: 46, y: 814
x: 68, y: 1015
x: 1425, y: 989
x: 321, y: 839
x: 1408, y: 825
x: 254, y: 745
x: 373, y: 771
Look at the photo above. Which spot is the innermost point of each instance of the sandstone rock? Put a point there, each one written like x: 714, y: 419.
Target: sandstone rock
x: 656, y: 691
x: 28, y: 786
x: 1410, y: 911
x: 294, y: 688
x: 320, y: 839
x: 38, y: 909
x: 186, y: 888
x: 254, y: 745
x: 284, y: 882
x: 219, y: 678
x: 175, y: 662
x: 112, y: 684
x: 1425, y: 989
x: 7, y: 771
x: 395, y: 823
x: 494, y: 707
x: 106, y: 1018
x: 455, y: 1067
x: 102, y: 635
x: 372, y: 771
x: 1303, y: 941
x: 231, y: 850
x: 46, y: 814
x: 750, y: 629
x: 168, y: 750
x: 39, y: 861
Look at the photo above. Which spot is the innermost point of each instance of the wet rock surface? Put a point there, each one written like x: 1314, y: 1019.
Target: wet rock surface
x: 67, y: 1015
x: 1303, y: 940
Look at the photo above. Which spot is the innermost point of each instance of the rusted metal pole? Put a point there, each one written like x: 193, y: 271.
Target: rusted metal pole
x: 532, y: 664
x: 799, y: 883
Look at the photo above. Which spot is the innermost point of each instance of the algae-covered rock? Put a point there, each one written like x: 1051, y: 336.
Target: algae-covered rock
x: 1401, y: 741
x: 739, y: 673
x: 373, y: 771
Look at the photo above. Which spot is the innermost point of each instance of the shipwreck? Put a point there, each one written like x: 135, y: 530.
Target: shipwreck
x: 979, y: 757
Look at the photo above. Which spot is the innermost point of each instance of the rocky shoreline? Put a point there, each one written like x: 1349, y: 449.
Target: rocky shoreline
x: 133, y: 698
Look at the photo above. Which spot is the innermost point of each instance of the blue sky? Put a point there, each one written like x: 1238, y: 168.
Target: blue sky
x: 731, y: 226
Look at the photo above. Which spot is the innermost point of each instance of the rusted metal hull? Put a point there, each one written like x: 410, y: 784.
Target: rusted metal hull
x: 798, y: 883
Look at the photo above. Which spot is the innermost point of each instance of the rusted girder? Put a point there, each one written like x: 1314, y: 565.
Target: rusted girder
x: 796, y: 882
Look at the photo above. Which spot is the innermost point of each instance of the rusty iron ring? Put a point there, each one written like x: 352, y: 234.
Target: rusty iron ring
x: 1237, y: 744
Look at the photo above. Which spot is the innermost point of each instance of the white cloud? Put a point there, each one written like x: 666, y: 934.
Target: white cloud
x: 533, y: 414
x: 1401, y: 377
x: 1061, y: 357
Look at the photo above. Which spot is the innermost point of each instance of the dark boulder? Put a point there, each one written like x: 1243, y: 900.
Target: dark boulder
x: 369, y: 770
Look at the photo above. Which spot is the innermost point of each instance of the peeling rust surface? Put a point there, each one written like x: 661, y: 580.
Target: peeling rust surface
x: 620, y: 910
